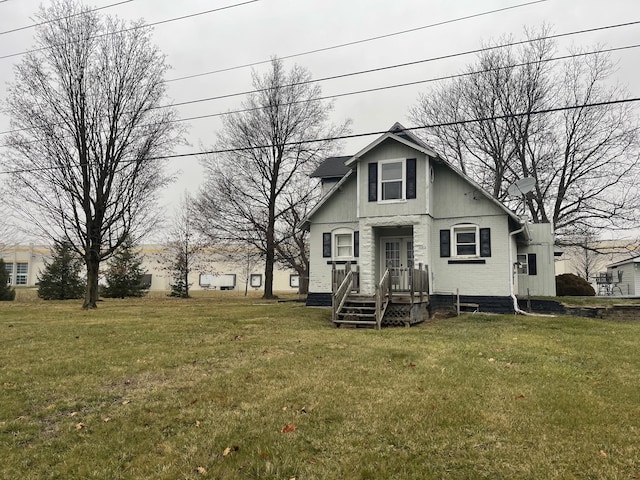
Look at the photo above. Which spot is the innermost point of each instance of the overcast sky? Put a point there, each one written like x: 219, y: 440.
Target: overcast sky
x: 255, y: 31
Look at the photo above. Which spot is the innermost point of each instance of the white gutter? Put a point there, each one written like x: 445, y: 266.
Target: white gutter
x: 516, y: 307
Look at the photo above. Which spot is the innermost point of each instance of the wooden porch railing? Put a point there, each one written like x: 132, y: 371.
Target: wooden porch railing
x: 412, y: 281
x: 383, y: 296
x: 419, y: 283
x: 343, y: 282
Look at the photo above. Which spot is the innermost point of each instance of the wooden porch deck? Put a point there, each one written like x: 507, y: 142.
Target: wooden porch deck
x: 387, y: 307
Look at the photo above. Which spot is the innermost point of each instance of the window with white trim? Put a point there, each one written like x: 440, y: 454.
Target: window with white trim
x: 343, y: 244
x: 22, y: 269
x: 465, y: 240
x: 391, y: 180
x: 9, y: 268
x: 523, y: 264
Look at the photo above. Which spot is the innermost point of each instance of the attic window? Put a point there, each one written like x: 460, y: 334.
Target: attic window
x: 392, y: 180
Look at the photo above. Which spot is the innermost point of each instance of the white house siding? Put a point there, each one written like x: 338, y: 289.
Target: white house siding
x: 543, y: 283
x: 489, y: 278
x: 629, y: 286
x: 339, y: 211
x: 389, y: 150
x: 457, y: 202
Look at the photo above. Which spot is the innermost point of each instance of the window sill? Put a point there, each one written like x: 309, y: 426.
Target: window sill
x: 467, y: 261
x: 388, y: 202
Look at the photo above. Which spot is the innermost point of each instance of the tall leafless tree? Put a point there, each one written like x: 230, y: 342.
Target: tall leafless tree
x: 499, y: 126
x: 88, y: 130
x: 278, y: 139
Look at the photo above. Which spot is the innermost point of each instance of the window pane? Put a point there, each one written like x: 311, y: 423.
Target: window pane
x: 392, y: 191
x: 343, y: 245
x: 466, y: 237
x: 391, y: 171
x: 466, y: 249
x: 523, y: 267
x: 22, y: 267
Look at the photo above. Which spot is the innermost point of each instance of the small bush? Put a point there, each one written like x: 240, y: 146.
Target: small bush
x: 61, y: 279
x: 6, y: 292
x: 125, y: 274
x: 570, y: 285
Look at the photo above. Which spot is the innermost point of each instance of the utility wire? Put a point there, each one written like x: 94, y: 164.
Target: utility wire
x: 359, y: 135
x: 415, y: 62
x: 146, y: 25
x: 376, y: 89
x: 387, y: 87
x: 62, y: 18
x: 356, y: 42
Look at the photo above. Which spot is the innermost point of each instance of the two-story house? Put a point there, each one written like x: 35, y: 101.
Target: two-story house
x: 396, y: 208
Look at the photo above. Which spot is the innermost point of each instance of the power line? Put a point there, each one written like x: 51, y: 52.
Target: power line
x: 432, y: 59
x: 146, y: 25
x: 416, y: 62
x: 366, y: 134
x: 420, y: 127
x: 356, y: 42
x: 62, y: 18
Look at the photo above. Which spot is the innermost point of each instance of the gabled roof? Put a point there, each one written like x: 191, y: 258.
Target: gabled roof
x: 479, y: 188
x: 624, y: 262
x: 332, y: 167
x: 400, y: 134
x: 305, y: 221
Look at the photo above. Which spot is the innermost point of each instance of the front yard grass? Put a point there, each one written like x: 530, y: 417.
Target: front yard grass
x: 225, y: 387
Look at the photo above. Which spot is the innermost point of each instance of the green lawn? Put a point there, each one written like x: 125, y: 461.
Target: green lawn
x: 223, y: 387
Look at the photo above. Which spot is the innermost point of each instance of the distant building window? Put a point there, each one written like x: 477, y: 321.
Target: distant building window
x: 21, y: 273
x: 255, y: 280
x: 294, y: 281
x: 9, y: 268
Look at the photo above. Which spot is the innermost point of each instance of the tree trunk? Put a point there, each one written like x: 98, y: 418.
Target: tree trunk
x: 270, y: 252
x: 268, y: 275
x: 303, y: 276
x: 91, y: 293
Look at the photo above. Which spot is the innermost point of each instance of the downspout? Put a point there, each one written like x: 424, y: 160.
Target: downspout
x: 516, y: 307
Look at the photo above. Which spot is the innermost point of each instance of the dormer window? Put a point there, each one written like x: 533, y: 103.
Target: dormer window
x: 392, y: 180
x: 392, y: 176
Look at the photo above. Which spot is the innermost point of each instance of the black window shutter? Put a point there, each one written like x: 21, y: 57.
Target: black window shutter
x: 373, y: 182
x: 445, y: 243
x: 533, y: 264
x: 326, y: 245
x: 356, y: 243
x: 485, y: 242
x: 411, y: 178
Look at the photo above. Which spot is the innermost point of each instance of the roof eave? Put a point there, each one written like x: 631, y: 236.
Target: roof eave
x: 306, y: 221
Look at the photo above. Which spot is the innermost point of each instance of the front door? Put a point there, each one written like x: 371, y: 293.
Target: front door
x: 397, y: 255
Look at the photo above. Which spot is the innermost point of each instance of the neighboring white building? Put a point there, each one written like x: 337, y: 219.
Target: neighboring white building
x: 25, y: 262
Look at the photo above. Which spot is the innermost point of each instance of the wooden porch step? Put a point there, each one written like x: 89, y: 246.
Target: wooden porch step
x: 356, y: 323
x: 344, y: 315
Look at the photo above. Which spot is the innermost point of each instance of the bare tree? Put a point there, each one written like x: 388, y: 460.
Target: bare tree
x: 88, y: 130
x: 280, y: 137
x: 184, y: 249
x: 499, y: 127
